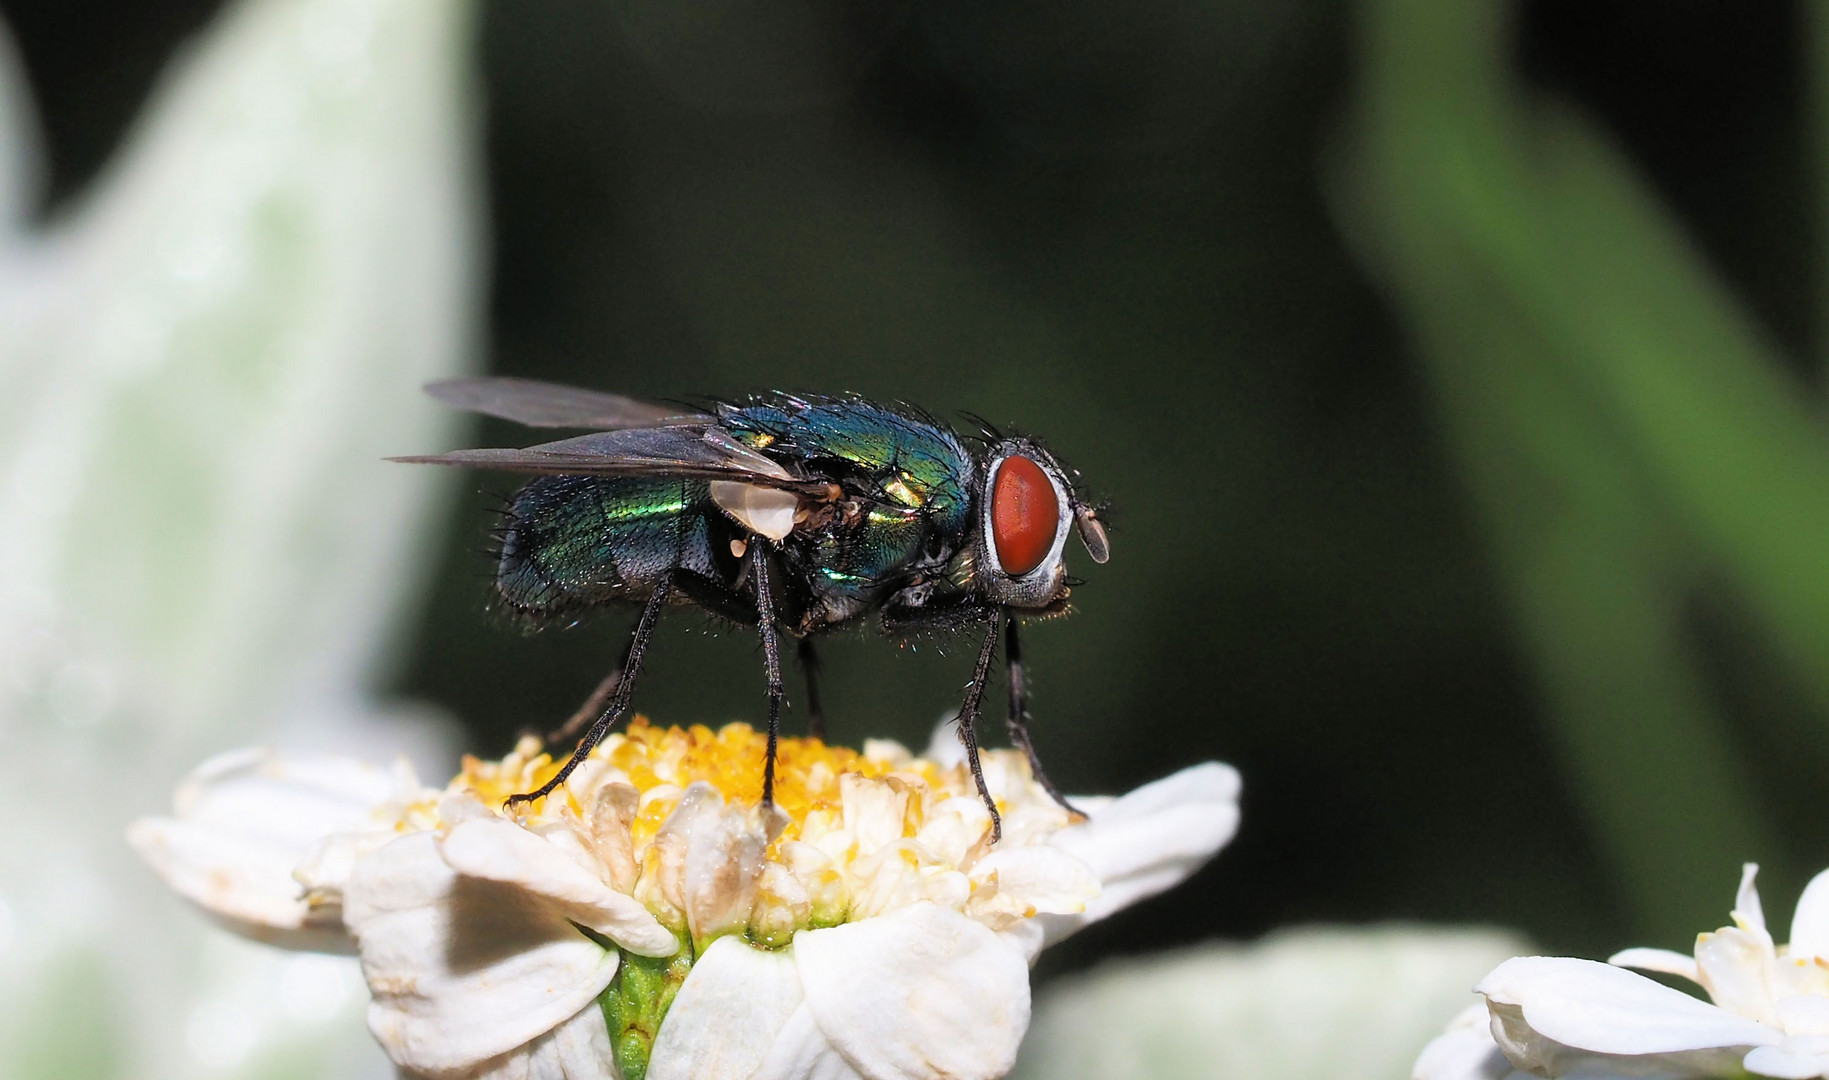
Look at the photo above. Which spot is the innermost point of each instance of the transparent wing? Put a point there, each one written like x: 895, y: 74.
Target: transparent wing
x: 544, y: 404
x: 697, y: 452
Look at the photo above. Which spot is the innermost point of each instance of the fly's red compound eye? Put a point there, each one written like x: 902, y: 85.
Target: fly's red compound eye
x: 1025, y: 515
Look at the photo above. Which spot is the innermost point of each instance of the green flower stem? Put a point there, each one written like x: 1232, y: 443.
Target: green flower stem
x: 1611, y: 411
x: 636, y: 1001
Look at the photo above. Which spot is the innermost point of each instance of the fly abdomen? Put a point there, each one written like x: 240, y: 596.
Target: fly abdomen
x: 578, y: 542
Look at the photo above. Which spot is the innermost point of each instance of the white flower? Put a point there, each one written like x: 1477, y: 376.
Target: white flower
x: 1558, y: 1016
x: 203, y: 356
x: 651, y: 918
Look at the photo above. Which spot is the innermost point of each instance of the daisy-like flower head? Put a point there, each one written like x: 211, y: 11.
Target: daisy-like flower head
x: 650, y: 918
x: 1558, y: 1016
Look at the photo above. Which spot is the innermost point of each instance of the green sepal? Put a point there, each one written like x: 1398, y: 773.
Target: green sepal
x: 636, y: 1001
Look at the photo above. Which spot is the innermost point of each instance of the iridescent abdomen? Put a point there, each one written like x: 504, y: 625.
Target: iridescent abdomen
x: 577, y: 542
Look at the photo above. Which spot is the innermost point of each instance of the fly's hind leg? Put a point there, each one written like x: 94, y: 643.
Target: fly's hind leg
x: 587, y: 711
x: 619, y: 695
x: 1019, y: 716
x: 809, y: 666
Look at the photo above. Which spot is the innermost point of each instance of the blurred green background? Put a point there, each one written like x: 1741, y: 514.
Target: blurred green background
x: 1453, y: 370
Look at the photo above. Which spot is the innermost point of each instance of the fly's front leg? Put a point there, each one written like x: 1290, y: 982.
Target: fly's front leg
x: 950, y: 618
x: 968, y: 716
x: 771, y: 657
x: 1019, y: 714
x: 619, y: 698
x: 809, y: 666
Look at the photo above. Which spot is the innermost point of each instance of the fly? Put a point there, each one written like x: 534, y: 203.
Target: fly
x: 792, y: 515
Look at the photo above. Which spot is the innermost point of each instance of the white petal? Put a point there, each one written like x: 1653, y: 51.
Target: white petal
x: 1805, y: 1014
x: 1795, y: 1058
x: 498, y: 850
x: 1748, y: 913
x: 1810, y: 922
x: 1663, y: 961
x: 921, y: 993
x: 728, y: 1014
x: 1549, y: 1013
x: 1150, y: 839
x: 244, y: 885
x: 1026, y: 937
x: 1464, y: 1052
x: 578, y: 1049
x: 284, y: 799
x: 802, y: 1052
x: 244, y: 821
x: 463, y: 970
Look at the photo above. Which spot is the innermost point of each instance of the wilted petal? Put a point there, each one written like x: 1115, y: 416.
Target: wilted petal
x: 1017, y: 883
x: 1810, y: 922
x: 1662, y: 961
x: 874, y: 810
x: 724, y: 857
x: 921, y: 993
x: 498, y: 850
x: 245, y: 820
x: 1150, y: 839
x: 1733, y: 965
x: 1552, y: 1014
x: 612, y: 814
x: 463, y: 970
x: 954, y: 827
x: 728, y: 1015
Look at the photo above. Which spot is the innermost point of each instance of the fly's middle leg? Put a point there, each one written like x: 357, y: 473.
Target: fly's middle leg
x: 771, y: 657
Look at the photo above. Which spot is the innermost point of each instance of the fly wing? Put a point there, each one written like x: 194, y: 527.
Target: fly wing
x: 698, y: 452
x: 544, y: 404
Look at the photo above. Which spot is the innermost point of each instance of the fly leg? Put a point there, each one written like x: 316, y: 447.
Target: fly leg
x: 947, y: 618
x: 968, y: 716
x: 771, y: 657
x: 619, y: 697
x: 1019, y: 715
x: 589, y: 710
x: 809, y: 665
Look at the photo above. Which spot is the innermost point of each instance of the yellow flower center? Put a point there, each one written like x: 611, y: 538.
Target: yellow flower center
x: 807, y: 772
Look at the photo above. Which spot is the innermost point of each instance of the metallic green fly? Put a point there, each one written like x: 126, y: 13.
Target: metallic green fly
x: 789, y: 514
